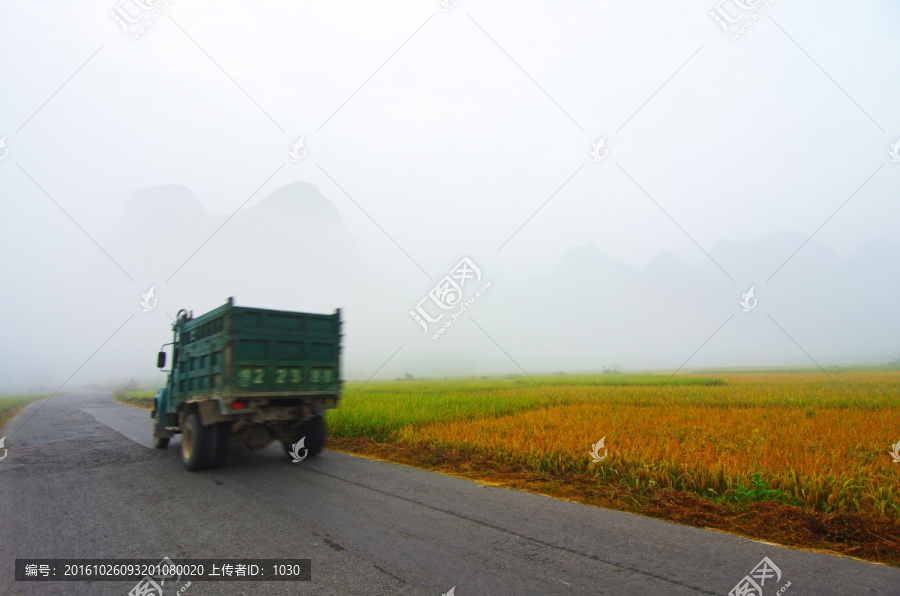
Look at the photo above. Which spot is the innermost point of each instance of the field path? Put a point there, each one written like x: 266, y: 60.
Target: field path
x: 82, y: 481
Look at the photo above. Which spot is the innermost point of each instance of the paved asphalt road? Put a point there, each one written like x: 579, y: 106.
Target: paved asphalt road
x: 82, y: 481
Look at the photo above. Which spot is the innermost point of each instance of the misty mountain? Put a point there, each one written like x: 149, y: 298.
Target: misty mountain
x: 289, y: 240
x: 291, y: 248
x: 291, y: 251
x: 591, y: 311
x: 156, y: 229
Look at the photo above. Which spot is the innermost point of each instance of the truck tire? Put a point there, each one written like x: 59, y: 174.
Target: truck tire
x: 158, y: 442
x: 195, y: 443
x: 314, y: 431
x: 219, y: 435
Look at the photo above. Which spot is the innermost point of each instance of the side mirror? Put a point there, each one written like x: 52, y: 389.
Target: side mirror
x: 161, y: 360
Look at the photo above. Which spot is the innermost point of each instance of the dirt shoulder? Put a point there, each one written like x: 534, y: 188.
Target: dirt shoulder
x: 868, y: 538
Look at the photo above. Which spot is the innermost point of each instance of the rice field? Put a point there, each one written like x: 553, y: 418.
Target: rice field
x: 809, y: 439
x: 380, y: 410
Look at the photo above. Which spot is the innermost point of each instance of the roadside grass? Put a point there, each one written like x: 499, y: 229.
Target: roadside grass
x: 138, y: 399
x: 10, y: 404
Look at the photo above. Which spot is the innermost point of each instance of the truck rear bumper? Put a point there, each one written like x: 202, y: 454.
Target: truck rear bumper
x: 258, y: 409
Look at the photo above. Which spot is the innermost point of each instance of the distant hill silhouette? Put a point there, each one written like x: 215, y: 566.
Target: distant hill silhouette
x: 290, y: 250
x: 590, y: 310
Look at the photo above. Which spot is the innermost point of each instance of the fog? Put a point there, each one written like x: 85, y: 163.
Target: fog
x: 614, y: 177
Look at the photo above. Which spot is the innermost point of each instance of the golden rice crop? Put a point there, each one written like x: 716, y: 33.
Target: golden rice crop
x: 815, y: 440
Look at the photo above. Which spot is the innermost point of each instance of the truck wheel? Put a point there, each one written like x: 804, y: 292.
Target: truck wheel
x: 219, y: 434
x: 194, y: 444
x: 315, y: 432
x: 158, y: 442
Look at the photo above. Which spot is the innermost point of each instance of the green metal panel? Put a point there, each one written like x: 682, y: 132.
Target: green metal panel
x: 234, y: 352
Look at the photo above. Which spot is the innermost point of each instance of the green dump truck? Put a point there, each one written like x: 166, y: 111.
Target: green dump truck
x: 248, y: 376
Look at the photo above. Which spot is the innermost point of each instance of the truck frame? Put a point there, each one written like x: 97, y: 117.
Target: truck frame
x: 248, y: 376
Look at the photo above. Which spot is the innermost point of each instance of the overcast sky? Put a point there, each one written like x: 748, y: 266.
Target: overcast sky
x: 442, y: 132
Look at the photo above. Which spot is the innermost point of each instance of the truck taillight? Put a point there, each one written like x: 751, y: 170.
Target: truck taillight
x: 238, y: 405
